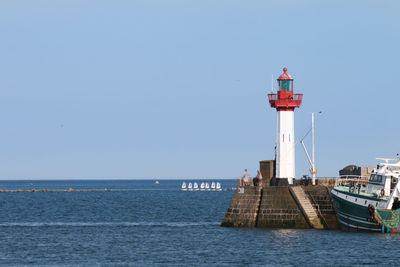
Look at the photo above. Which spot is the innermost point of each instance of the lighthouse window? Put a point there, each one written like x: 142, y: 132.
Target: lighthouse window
x: 283, y: 138
x: 285, y: 85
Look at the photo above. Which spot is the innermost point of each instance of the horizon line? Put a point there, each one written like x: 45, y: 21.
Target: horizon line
x: 115, y: 179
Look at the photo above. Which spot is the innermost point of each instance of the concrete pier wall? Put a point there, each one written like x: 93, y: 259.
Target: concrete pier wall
x: 275, y: 207
x: 279, y: 210
x: 244, y: 208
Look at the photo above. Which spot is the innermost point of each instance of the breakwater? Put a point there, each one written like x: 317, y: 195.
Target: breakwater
x: 69, y: 190
x: 300, y: 207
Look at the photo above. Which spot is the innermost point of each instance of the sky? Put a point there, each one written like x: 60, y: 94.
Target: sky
x: 178, y: 89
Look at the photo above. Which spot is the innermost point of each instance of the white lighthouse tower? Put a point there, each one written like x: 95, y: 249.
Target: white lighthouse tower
x: 285, y: 101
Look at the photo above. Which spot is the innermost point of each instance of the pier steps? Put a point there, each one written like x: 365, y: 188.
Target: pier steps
x: 323, y: 203
x: 306, y: 207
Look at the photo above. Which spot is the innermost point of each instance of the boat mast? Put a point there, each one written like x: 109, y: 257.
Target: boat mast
x: 313, y: 170
x: 313, y: 149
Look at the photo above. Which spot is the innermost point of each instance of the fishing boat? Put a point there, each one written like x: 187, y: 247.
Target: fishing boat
x: 213, y: 186
x: 184, y: 187
x: 157, y: 182
x: 202, y: 186
x: 370, y: 204
x: 195, y: 187
x: 207, y: 187
x: 218, y: 187
x: 190, y: 187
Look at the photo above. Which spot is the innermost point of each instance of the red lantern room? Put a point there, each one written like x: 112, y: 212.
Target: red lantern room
x: 285, y: 99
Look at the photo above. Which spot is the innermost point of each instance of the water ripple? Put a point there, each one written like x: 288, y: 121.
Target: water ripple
x: 112, y: 224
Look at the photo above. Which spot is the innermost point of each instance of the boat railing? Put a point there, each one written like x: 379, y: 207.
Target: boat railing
x: 352, y: 180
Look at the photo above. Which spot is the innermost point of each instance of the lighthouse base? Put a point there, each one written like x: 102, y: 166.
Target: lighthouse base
x: 281, y: 181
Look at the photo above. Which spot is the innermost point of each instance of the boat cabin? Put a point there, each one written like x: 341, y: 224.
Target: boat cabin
x: 383, y: 181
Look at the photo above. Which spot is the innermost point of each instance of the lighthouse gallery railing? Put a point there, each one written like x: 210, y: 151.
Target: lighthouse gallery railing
x: 293, y: 100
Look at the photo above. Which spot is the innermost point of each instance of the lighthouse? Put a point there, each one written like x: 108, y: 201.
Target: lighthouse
x: 285, y: 101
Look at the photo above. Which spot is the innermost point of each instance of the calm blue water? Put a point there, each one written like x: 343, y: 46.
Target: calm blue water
x: 150, y: 224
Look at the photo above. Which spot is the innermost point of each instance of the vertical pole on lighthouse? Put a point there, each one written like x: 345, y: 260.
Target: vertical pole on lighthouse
x: 285, y: 101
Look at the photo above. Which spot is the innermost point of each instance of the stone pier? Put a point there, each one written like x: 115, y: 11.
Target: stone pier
x: 276, y: 207
x: 244, y: 208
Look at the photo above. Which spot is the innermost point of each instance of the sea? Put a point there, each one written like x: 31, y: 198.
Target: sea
x: 141, y: 223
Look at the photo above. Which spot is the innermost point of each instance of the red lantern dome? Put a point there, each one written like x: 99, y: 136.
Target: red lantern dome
x: 285, y: 99
x: 285, y: 76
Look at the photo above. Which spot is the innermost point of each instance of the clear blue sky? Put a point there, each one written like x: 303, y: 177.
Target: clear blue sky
x: 177, y: 89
